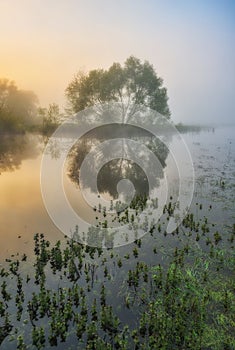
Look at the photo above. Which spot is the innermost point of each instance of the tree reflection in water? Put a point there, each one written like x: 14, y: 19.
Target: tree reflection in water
x: 16, y: 148
x: 117, y: 169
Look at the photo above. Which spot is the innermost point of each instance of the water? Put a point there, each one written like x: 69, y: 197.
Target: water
x: 22, y: 212
x: 213, y: 155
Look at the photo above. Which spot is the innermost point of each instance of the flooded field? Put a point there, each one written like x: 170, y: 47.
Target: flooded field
x: 165, y: 290
x: 23, y: 213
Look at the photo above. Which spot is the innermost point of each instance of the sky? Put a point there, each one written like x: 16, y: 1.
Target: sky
x: 190, y: 43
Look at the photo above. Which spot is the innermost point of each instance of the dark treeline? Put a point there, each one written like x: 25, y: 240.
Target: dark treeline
x: 20, y: 111
x: 135, y: 83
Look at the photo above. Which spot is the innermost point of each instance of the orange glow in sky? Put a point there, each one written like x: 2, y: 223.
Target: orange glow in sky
x: 192, y: 47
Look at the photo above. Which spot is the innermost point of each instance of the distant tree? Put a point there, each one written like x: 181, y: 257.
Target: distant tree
x: 17, y: 107
x: 135, y: 83
x: 50, y: 117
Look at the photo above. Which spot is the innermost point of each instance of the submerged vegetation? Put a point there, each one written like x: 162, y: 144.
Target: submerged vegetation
x: 164, y: 291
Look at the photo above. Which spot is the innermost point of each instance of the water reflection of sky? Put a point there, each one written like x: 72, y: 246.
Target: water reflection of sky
x: 22, y: 212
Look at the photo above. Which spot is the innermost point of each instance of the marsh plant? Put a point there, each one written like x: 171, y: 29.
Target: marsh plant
x: 164, y: 291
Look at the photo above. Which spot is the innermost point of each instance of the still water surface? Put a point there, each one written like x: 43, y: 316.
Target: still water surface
x: 22, y: 212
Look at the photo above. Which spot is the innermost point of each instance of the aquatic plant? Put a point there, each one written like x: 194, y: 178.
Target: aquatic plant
x: 177, y: 291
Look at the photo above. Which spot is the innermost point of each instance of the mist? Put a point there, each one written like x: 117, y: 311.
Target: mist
x: 191, y: 47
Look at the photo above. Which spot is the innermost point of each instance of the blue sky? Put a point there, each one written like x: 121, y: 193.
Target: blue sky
x: 190, y: 43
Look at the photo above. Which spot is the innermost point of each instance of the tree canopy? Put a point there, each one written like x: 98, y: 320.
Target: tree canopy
x: 133, y: 83
x: 51, y: 118
x: 17, y: 107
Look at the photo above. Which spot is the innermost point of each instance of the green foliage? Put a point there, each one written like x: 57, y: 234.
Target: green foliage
x: 17, y: 108
x: 82, y: 297
x: 135, y: 83
x: 51, y: 118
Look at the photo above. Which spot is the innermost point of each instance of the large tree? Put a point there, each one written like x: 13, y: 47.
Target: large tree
x: 17, y: 107
x: 134, y: 83
x: 131, y: 85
